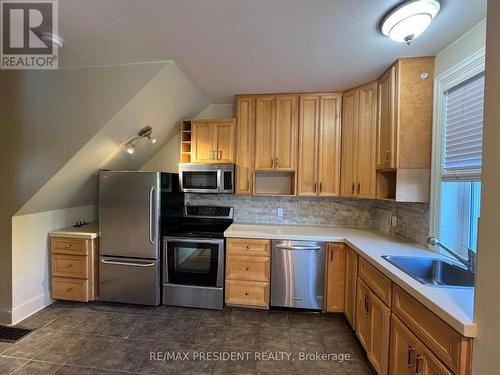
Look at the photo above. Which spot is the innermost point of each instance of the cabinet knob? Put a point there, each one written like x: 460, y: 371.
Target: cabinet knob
x: 246, y: 293
x: 69, y: 290
x: 68, y: 246
x: 68, y: 266
x: 248, y: 247
x: 247, y: 268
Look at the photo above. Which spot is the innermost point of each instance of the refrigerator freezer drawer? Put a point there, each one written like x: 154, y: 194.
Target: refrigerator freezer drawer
x: 126, y: 280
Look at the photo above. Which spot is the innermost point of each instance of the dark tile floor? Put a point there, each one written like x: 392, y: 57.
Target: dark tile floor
x: 105, y: 339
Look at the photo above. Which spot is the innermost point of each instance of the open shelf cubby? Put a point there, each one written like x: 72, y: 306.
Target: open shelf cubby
x: 186, y: 141
x: 274, y: 183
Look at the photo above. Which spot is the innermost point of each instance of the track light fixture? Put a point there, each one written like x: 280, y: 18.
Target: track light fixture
x: 144, y: 133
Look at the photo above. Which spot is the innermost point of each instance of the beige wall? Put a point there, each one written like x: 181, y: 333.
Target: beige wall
x: 486, y: 359
x: 469, y: 43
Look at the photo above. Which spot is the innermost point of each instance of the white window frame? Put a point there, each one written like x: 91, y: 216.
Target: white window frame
x: 466, y: 69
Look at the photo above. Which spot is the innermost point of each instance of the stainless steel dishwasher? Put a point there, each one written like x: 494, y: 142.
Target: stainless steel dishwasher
x: 298, y: 274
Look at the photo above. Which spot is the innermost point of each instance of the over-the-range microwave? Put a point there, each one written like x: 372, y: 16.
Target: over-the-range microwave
x: 207, y: 178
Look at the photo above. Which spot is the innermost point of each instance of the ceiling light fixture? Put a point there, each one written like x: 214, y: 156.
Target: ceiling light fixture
x: 409, y: 19
x: 145, y: 132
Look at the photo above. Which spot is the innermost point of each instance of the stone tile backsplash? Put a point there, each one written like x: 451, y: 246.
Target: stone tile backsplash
x: 412, y: 218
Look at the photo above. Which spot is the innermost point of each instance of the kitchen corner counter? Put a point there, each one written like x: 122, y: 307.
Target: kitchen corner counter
x: 86, y: 232
x: 454, y: 305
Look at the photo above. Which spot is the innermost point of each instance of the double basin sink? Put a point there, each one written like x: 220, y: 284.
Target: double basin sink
x: 433, y: 271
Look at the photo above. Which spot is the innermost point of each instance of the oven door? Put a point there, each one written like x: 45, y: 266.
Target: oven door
x: 197, y: 262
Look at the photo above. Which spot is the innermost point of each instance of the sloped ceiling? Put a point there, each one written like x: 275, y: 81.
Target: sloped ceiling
x: 240, y: 46
x: 160, y: 102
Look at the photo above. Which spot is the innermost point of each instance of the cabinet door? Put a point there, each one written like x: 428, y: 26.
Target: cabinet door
x: 202, y: 147
x: 351, y: 275
x: 265, y: 108
x: 428, y: 364
x: 308, y: 146
x: 335, y: 283
x: 380, y: 317
x: 362, y: 315
x: 329, y: 145
x: 245, y: 132
x: 386, y: 120
x: 350, y: 111
x: 224, y: 141
x: 366, y: 141
x: 285, y: 136
x: 403, y: 349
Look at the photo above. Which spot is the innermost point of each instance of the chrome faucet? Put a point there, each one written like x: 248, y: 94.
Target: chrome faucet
x: 470, y: 262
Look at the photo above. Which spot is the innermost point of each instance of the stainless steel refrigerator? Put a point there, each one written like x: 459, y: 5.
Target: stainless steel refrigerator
x: 134, y: 207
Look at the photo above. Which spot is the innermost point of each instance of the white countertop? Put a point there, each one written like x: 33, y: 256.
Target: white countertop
x: 86, y: 232
x: 454, y: 305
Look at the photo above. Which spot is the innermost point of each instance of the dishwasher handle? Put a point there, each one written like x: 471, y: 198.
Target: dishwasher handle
x: 285, y: 247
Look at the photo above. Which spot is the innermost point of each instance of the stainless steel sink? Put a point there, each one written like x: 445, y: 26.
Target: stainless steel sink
x: 434, y: 272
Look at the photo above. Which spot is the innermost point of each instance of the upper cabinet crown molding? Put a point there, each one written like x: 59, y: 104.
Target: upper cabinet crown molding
x: 319, y: 144
x: 213, y: 141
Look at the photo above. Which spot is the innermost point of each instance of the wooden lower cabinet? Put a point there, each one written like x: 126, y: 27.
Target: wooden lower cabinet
x: 409, y: 356
x: 373, y: 327
x: 351, y: 276
x: 74, y: 269
x: 248, y: 272
x: 335, y: 275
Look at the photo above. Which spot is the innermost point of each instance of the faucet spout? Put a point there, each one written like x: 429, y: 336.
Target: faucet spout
x: 470, y: 263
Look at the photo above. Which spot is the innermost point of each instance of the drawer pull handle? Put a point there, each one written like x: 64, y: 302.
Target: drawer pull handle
x: 246, y: 293
x: 418, y: 368
x: 411, y: 352
x: 69, y: 290
x: 68, y: 246
x: 68, y: 266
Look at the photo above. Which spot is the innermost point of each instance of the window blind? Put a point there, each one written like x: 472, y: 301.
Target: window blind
x: 463, y: 135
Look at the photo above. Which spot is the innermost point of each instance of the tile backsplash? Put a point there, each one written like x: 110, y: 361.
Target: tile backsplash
x: 412, y: 219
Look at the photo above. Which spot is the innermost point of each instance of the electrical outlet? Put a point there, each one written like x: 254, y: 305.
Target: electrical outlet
x: 280, y: 212
x: 394, y: 220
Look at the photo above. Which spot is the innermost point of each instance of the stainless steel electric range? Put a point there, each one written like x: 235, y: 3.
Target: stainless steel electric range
x: 194, y: 256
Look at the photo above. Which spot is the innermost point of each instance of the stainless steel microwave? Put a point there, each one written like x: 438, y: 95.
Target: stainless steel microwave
x: 207, y: 178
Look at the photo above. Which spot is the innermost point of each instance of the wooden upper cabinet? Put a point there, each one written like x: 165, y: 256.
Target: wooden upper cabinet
x: 319, y: 144
x: 335, y: 274
x: 359, y: 122
x: 351, y: 276
x: 285, y: 136
x: 308, y: 144
x: 404, y: 131
x: 202, y: 147
x: 212, y: 141
x: 386, y: 122
x: 265, y: 108
x: 350, y: 113
x: 367, y: 141
x: 245, y: 138
x: 276, y: 118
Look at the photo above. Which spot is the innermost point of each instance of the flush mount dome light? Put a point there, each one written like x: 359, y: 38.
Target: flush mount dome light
x: 409, y: 19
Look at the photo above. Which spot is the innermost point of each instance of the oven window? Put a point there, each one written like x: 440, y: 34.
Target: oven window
x: 199, y: 180
x: 192, y: 263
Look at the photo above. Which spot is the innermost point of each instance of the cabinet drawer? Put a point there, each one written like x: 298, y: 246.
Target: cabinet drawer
x: 446, y: 343
x: 378, y: 282
x: 247, y: 293
x: 249, y: 268
x: 75, y: 266
x: 70, y: 289
x: 246, y: 246
x: 69, y: 246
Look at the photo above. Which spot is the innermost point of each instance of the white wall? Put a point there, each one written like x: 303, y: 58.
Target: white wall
x: 469, y: 43
x: 30, y: 256
x: 486, y: 358
x: 167, y: 158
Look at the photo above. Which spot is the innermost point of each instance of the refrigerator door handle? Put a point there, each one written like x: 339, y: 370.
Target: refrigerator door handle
x: 151, y: 237
x: 105, y: 261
